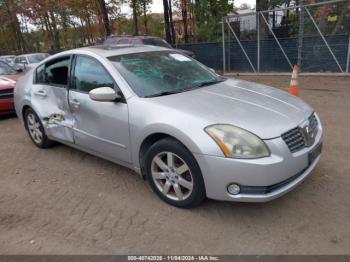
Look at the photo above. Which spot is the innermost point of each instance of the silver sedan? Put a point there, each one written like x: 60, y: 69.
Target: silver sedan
x: 191, y: 133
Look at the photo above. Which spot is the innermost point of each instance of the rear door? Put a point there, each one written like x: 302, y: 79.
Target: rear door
x: 49, y: 96
x: 101, y: 127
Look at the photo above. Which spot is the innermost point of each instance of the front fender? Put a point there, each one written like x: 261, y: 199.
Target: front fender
x: 196, y: 146
x: 147, y: 117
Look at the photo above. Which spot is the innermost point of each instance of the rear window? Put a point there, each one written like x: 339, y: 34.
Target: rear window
x: 123, y: 41
x: 156, y: 42
x: 117, y: 41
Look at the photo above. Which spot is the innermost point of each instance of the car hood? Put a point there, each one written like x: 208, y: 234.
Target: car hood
x: 8, y: 81
x: 262, y: 110
x: 12, y: 77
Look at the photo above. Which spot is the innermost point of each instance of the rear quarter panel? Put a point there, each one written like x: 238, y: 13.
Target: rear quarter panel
x: 22, y: 93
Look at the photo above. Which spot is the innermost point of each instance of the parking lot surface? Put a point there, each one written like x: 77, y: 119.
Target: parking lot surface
x: 63, y: 201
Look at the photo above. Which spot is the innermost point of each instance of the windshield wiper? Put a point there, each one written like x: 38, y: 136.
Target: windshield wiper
x: 165, y: 93
x: 205, y: 83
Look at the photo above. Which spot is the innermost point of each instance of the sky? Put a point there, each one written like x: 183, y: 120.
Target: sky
x: 157, y: 6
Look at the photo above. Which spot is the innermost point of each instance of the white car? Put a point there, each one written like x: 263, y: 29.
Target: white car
x: 28, y: 61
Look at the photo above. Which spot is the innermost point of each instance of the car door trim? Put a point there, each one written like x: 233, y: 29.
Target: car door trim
x: 99, y: 138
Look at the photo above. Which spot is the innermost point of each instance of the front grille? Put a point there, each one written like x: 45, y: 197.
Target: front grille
x: 294, y: 139
x: 297, y: 138
x: 7, y: 93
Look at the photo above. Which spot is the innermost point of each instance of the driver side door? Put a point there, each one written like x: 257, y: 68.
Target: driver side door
x: 99, y: 127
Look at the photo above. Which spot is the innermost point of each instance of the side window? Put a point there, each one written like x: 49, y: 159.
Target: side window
x: 23, y: 60
x: 90, y: 74
x: 17, y: 60
x: 54, y: 72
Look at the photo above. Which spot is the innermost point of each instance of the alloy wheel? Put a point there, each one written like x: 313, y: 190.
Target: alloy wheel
x: 33, y: 125
x: 172, y: 176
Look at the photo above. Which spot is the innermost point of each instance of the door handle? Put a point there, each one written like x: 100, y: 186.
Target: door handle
x: 75, y: 103
x: 41, y: 93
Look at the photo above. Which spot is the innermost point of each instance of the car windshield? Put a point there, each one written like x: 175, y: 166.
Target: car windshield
x: 36, y: 58
x: 7, y: 59
x: 162, y: 73
x: 5, y: 69
x: 156, y: 42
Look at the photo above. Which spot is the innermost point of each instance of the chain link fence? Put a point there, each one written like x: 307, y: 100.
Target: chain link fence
x: 314, y: 36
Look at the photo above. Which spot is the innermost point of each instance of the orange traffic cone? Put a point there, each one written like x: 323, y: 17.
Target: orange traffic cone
x: 294, y: 86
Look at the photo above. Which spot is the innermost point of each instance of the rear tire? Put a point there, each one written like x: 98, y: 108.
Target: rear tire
x: 36, y: 130
x: 173, y: 174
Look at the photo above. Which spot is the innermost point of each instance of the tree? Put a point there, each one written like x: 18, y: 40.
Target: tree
x: 144, y: 9
x: 262, y: 5
x: 172, y: 28
x: 134, y: 6
x: 208, y: 16
x: 184, y: 15
x: 104, y: 12
x: 44, y: 13
x: 167, y: 21
x: 9, y: 15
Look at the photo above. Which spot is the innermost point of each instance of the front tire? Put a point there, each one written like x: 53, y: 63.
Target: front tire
x: 173, y: 173
x: 36, y: 130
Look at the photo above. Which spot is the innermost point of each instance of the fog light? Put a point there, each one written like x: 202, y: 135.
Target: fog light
x: 233, y: 189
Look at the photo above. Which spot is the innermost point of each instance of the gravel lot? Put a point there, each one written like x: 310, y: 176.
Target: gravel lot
x: 62, y: 201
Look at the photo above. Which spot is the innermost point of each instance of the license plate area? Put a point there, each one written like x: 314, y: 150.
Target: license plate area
x: 315, y: 153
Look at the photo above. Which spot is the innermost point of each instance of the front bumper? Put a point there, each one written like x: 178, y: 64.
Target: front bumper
x: 6, y: 106
x: 280, y: 172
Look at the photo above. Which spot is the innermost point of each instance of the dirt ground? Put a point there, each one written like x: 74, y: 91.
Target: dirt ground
x: 62, y: 201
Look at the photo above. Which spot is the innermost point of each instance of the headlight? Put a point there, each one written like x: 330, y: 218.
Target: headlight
x: 237, y: 143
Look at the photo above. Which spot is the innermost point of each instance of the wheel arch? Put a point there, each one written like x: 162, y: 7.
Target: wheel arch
x: 24, y: 109
x: 27, y: 106
x: 151, y: 138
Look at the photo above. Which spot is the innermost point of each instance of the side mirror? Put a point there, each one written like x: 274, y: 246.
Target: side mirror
x: 104, y: 94
x: 19, y: 70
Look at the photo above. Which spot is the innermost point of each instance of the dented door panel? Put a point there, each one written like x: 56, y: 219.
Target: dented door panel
x: 52, y: 107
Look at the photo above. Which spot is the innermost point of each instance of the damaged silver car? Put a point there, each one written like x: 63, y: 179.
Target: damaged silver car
x: 191, y: 133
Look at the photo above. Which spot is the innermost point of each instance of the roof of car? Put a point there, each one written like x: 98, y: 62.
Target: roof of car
x: 136, y: 36
x: 33, y: 54
x: 114, y: 50
x: 109, y: 50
